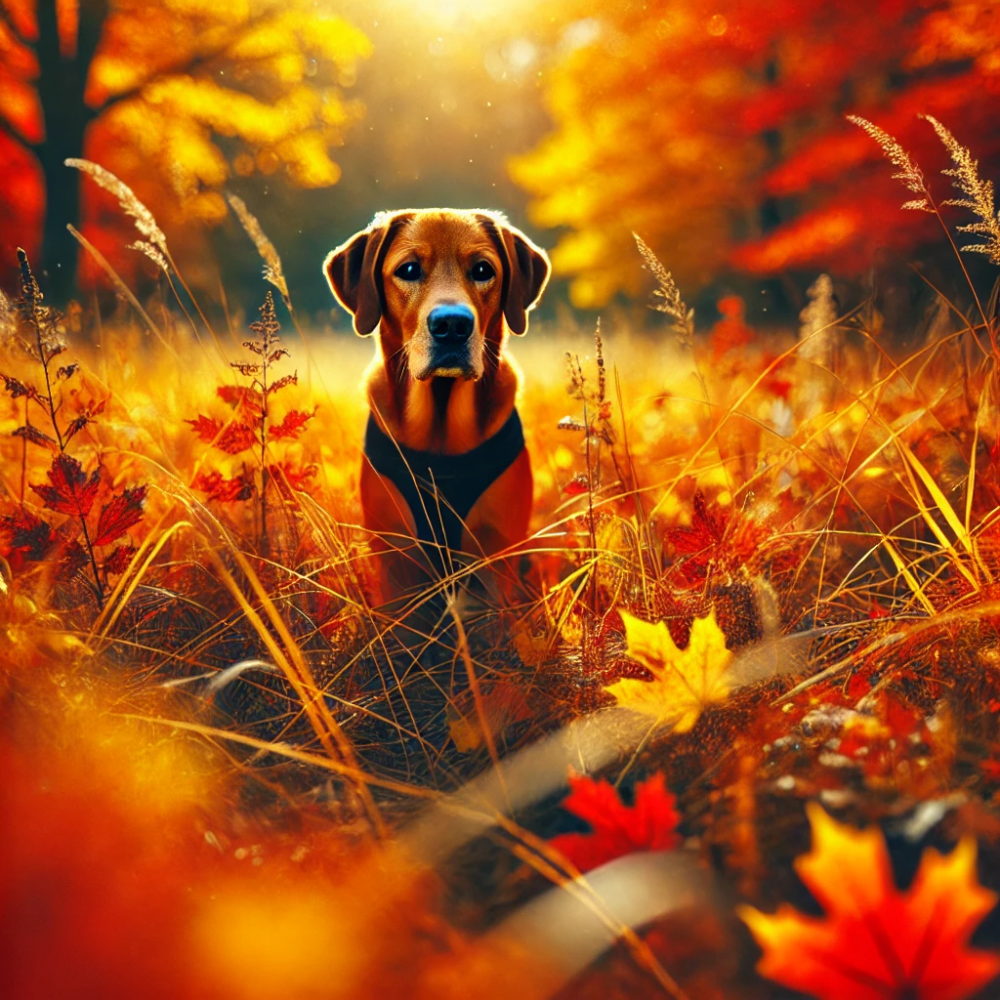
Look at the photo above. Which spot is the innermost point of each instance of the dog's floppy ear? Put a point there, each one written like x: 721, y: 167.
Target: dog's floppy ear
x: 525, y: 272
x: 354, y: 270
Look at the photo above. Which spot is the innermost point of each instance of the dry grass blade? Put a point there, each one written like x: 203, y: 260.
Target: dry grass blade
x: 669, y: 295
x: 273, y: 271
x: 909, y: 173
x: 7, y: 318
x: 129, y: 203
x: 120, y: 285
x: 152, y: 253
x: 978, y: 194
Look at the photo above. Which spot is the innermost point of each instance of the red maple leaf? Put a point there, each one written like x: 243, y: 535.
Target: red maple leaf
x: 119, y: 560
x: 124, y: 511
x: 71, y: 491
x: 217, y: 487
x: 649, y: 825
x: 291, y: 426
x: 29, y: 535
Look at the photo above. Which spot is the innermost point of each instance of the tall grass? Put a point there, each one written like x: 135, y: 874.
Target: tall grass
x: 835, y: 505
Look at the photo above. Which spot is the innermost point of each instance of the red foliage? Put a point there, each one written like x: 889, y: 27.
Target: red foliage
x: 292, y: 425
x: 74, y: 558
x: 714, y: 537
x: 731, y: 332
x: 247, y: 400
x: 649, y: 825
x: 124, y: 511
x: 289, y: 477
x: 119, y: 560
x: 577, y: 486
x: 71, y: 491
x: 29, y: 537
x: 217, y: 487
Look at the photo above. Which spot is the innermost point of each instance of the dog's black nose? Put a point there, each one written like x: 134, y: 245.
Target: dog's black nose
x: 451, y: 324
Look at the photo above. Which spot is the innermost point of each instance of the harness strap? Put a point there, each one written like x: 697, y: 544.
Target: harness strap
x: 440, y: 490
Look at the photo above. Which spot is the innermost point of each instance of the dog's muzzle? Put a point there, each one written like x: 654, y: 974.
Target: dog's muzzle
x: 450, y: 328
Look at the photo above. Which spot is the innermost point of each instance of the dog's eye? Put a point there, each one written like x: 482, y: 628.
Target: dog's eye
x: 482, y: 271
x: 410, y: 271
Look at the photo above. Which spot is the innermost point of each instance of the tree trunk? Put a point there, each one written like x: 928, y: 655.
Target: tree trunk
x: 61, y: 84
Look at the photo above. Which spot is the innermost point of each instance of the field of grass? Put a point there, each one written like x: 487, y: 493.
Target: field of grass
x: 225, y: 773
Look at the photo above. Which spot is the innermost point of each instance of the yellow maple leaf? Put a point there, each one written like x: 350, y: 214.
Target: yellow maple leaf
x: 686, y: 680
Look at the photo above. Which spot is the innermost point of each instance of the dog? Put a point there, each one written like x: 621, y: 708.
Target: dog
x: 444, y: 462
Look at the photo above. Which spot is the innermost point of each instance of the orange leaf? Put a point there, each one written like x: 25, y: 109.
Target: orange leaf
x: 877, y: 943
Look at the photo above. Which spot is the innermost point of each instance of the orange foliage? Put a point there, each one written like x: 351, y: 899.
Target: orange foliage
x: 687, y: 121
x: 166, y: 83
x: 875, y: 941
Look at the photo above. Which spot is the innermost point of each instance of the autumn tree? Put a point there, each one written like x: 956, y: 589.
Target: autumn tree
x: 717, y: 131
x: 173, y: 97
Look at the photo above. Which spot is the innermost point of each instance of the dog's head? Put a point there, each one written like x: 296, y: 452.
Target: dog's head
x: 439, y: 283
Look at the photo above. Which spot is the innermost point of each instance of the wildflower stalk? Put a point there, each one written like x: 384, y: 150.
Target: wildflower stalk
x: 912, y: 177
x: 44, y: 322
x: 154, y: 245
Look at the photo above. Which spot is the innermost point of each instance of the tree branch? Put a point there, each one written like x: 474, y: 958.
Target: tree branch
x: 93, y: 15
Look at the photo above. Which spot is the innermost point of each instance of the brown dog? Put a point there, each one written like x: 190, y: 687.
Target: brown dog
x: 445, y: 461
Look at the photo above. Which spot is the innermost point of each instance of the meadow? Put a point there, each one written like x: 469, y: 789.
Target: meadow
x: 763, y: 573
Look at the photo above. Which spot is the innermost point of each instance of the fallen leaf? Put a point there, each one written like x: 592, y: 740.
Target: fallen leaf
x: 875, y: 942
x: 649, y: 825
x: 684, y: 680
x: 70, y: 492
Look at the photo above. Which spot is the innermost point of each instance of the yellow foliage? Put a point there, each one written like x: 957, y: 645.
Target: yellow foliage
x: 686, y: 680
x: 626, y: 143
x: 185, y: 73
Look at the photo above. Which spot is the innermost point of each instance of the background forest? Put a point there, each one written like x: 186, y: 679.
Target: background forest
x: 715, y: 130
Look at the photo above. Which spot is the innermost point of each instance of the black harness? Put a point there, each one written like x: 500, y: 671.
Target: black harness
x: 440, y: 490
